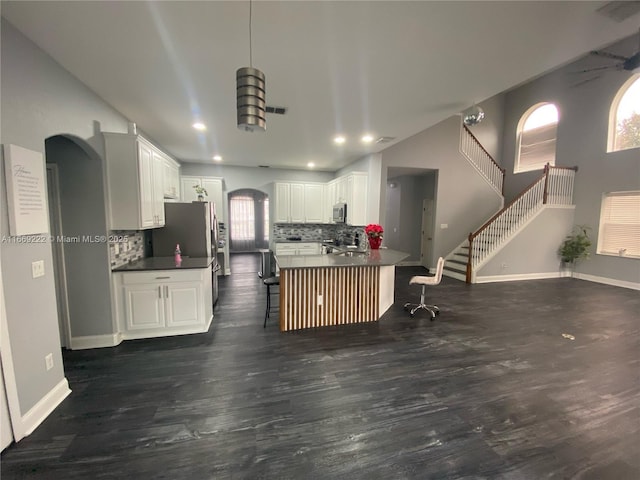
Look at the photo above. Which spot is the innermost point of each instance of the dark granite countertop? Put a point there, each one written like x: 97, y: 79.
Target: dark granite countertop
x: 165, y: 263
x: 381, y: 257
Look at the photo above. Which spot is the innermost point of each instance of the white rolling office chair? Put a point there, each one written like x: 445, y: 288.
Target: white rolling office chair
x: 412, y: 308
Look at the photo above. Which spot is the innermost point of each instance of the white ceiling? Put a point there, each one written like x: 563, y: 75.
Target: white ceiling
x: 386, y: 67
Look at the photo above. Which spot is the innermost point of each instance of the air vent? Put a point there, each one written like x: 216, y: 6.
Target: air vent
x: 275, y: 110
x: 263, y: 166
x: 385, y: 139
x: 619, y: 10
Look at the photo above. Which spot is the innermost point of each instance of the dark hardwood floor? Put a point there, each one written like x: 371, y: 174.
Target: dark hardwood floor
x: 490, y: 390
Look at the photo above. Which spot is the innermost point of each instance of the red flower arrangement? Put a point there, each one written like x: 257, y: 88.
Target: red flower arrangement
x: 373, y: 230
x: 374, y: 233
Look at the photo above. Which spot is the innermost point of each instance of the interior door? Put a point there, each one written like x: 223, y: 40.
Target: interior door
x: 427, y: 232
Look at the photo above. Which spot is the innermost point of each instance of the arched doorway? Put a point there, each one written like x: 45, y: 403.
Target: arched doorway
x: 77, y: 216
x: 248, y: 220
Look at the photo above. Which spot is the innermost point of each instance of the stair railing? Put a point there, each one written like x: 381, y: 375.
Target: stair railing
x: 471, y: 148
x: 554, y: 187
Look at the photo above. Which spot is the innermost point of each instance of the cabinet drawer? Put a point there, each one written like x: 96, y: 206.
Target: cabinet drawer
x: 163, y: 276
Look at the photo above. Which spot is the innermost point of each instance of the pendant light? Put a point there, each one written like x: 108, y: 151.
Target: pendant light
x: 250, y: 93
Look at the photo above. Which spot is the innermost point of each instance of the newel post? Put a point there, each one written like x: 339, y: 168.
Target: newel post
x: 468, y: 275
x: 546, y: 183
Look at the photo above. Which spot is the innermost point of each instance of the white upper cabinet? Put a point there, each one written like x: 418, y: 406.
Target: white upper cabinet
x: 314, y: 203
x: 213, y: 186
x: 299, y: 203
x: 297, y: 207
x: 282, y: 203
x: 356, y: 198
x: 135, y: 178
x: 171, y: 179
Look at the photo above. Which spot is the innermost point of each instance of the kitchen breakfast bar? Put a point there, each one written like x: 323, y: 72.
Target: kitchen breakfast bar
x: 336, y: 289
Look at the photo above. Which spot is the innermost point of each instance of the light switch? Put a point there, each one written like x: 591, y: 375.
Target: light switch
x: 37, y: 269
x: 444, y: 225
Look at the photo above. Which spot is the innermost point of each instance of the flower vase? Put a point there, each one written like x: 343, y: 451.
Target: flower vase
x: 201, y: 198
x: 374, y: 242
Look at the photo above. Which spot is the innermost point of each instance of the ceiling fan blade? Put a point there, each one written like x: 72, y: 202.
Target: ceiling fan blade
x: 608, y: 55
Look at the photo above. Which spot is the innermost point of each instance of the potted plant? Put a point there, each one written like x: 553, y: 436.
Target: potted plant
x: 575, y: 246
x: 374, y: 234
x: 201, y: 191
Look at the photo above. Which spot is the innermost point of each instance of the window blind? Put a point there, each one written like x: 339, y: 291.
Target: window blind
x: 537, y: 148
x: 620, y: 224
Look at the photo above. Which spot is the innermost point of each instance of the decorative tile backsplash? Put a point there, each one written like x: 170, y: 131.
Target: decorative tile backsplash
x: 316, y: 232
x: 125, y: 247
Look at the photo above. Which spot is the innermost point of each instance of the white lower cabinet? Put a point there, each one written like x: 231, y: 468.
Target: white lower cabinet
x: 164, y: 302
x: 302, y: 248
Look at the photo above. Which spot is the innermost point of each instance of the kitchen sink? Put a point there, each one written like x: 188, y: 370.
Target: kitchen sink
x: 351, y: 253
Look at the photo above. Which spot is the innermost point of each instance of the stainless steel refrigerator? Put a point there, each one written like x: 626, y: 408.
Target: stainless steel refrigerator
x: 193, y: 226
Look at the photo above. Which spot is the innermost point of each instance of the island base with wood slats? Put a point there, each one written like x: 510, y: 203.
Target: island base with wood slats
x: 333, y: 294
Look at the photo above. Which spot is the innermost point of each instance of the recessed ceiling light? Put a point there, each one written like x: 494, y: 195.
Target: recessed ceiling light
x: 339, y: 139
x: 311, y: 164
x: 367, y: 138
x: 200, y: 126
x: 217, y: 158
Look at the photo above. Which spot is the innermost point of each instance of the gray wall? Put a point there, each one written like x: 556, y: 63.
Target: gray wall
x: 539, y: 240
x: 464, y: 200
x: 86, y: 264
x: 581, y: 141
x: 40, y: 99
x: 403, y: 229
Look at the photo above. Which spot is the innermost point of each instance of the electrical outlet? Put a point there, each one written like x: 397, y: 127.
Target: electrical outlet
x: 37, y: 269
x: 503, y: 265
x: 48, y: 361
x: 319, y: 300
x: 444, y: 225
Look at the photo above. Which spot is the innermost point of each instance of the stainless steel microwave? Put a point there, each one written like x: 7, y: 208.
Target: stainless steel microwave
x: 340, y: 213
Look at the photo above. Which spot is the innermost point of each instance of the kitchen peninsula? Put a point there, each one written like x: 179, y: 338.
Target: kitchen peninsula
x: 336, y: 289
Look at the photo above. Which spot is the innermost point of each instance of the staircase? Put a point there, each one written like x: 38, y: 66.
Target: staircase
x: 554, y: 187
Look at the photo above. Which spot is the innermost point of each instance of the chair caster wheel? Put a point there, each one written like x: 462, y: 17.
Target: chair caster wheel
x: 406, y: 308
x: 412, y: 314
x: 437, y: 312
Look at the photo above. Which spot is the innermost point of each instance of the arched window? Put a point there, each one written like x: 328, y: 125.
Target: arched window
x: 536, y: 138
x: 624, y: 117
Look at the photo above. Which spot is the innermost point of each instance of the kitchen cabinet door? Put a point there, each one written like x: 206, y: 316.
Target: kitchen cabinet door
x: 297, y: 203
x: 314, y: 203
x: 144, y: 306
x: 357, y: 199
x: 171, y: 179
x: 282, y: 201
x: 158, y: 184
x: 213, y: 186
x: 183, y: 304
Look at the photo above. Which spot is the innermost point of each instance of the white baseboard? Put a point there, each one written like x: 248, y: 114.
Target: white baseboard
x: 411, y: 263
x: 608, y: 281
x: 520, y: 276
x: 95, y: 341
x: 41, y: 410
